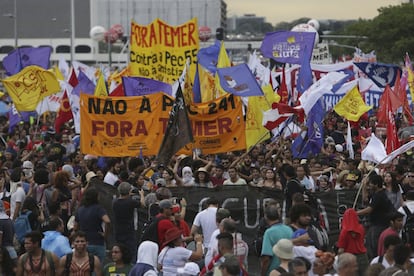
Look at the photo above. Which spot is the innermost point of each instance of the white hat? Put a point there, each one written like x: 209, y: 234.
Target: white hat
x: 189, y: 269
x: 284, y: 249
x: 339, y: 148
x: 27, y: 165
x: 89, y: 176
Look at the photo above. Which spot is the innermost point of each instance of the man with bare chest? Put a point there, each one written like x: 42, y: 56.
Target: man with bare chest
x: 80, y: 262
x: 36, y: 261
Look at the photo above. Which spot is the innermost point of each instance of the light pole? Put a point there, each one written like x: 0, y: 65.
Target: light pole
x: 14, y: 17
x: 72, y: 30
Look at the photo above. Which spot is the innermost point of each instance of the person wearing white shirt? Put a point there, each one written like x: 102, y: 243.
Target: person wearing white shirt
x: 206, y: 220
x: 234, y: 179
x: 389, y: 244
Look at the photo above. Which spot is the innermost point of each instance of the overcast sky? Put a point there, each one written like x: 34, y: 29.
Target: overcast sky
x: 288, y: 10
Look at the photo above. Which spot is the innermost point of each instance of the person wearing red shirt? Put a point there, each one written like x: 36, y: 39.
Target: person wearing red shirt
x: 165, y: 222
x: 396, y: 224
x: 351, y: 239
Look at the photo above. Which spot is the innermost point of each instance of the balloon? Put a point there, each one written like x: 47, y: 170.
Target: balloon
x: 118, y: 29
x: 307, y: 28
x: 314, y: 23
x: 97, y: 33
x: 204, y: 33
x: 111, y: 36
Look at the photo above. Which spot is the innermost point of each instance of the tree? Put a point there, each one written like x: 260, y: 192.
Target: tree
x: 389, y: 33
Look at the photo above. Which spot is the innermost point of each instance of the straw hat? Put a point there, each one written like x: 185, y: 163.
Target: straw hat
x: 284, y: 249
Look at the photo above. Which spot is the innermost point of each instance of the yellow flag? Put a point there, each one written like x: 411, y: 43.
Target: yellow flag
x: 255, y: 131
x: 410, y: 80
x: 352, y: 106
x: 188, y: 85
x: 117, y: 76
x: 57, y: 72
x: 28, y: 87
x: 222, y: 62
x: 100, y: 89
x: 207, y: 86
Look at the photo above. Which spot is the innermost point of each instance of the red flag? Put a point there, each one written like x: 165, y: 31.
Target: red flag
x: 64, y: 114
x: 118, y: 91
x: 73, y: 80
x: 391, y: 142
x: 283, y: 90
x: 399, y: 90
x: 279, y: 113
x: 388, y: 101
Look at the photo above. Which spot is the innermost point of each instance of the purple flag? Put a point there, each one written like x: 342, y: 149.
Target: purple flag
x: 288, y: 47
x: 15, y: 117
x: 208, y: 56
x: 139, y: 86
x: 85, y: 85
x: 239, y: 80
x: 311, y: 143
x: 381, y: 74
x: 22, y: 57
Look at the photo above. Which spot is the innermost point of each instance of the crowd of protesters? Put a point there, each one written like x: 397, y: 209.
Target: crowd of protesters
x: 46, y: 178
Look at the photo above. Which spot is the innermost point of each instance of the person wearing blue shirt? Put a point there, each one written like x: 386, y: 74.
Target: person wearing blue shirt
x: 54, y: 241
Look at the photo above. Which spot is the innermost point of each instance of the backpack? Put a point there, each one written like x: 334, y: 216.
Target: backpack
x: 49, y: 259
x: 22, y: 226
x: 150, y: 230
x: 69, y: 256
x: 408, y: 229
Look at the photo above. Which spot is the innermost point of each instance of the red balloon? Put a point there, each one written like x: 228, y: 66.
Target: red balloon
x: 111, y: 36
x: 118, y: 29
x: 204, y: 33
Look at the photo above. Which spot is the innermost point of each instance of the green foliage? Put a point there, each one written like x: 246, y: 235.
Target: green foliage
x: 389, y: 34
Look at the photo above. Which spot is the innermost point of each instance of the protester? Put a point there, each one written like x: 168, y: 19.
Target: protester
x: 174, y: 255
x: 54, y: 241
x: 146, y: 260
x: 121, y: 261
x: 89, y: 218
x: 36, y: 260
x: 80, y: 261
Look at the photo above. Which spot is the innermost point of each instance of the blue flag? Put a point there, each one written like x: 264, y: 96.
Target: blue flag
x: 305, y: 78
x: 139, y: 86
x: 22, y: 57
x: 85, y: 85
x: 381, y: 74
x: 239, y: 80
x: 311, y: 143
x: 208, y: 56
x: 196, y: 87
x: 288, y: 47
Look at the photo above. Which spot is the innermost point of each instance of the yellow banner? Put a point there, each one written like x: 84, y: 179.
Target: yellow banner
x: 160, y: 51
x: 120, y: 126
x: 28, y: 87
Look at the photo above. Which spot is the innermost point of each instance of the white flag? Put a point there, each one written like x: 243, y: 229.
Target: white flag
x: 374, y: 151
x: 397, y: 152
x: 349, y: 142
x: 322, y: 86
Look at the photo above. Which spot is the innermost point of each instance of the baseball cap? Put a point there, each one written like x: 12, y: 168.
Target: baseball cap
x: 166, y: 204
x: 189, y: 269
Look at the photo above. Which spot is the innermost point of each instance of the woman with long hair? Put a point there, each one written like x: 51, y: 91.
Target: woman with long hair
x: 270, y: 180
x: 89, y: 219
x: 62, y: 194
x: 121, y: 261
x: 393, y: 190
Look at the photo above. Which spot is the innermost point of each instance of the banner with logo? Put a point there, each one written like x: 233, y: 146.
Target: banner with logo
x: 160, y: 51
x: 122, y: 126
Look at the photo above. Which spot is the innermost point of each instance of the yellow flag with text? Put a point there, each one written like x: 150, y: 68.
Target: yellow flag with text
x: 352, y: 106
x: 160, y: 51
x: 28, y: 87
